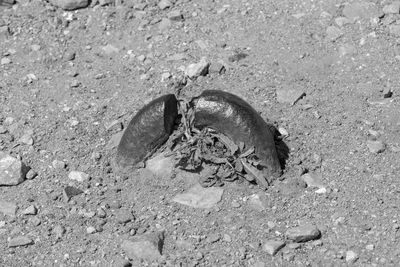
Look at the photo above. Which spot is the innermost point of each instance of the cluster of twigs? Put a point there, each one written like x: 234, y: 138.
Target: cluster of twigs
x: 214, y: 154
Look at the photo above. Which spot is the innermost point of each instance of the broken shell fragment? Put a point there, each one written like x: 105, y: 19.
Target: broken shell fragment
x: 234, y: 117
x: 147, y: 131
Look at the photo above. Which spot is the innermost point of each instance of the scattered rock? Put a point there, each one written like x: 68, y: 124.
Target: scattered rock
x: 175, y: 15
x: 106, y: 2
x: 110, y: 49
x: 58, y: 165
x: 177, y: 57
x: 235, y: 204
x: 30, y: 78
x: 19, y: 241
x: 70, y: 191
x: 5, y: 61
x: 294, y: 245
x: 361, y: 10
x: 58, y: 231
x: 313, y: 180
x: 376, y: 146
x: 217, y: 67
x: 69, y: 55
x: 227, y: 238
x: 237, y: 56
x: 12, y: 170
x: 165, y: 76
x: 333, y: 33
x: 256, y: 202
x: 146, y: 247
x: 9, y: 121
x: 197, y: 69
x: 8, y: 208
x: 321, y: 190
x: 213, y: 238
x: 199, y: 197
x: 351, y: 256
x: 31, y: 210
x: 70, y: 4
x: 303, y: 233
x: 291, y: 96
x: 160, y: 165
x: 291, y: 187
x: 123, y: 216
x: 342, y: 21
x: 369, y: 247
x: 164, y: 4
x: 90, y: 230
x: 26, y: 138
x: 35, y: 221
x: 273, y: 246
x: 114, y: 140
x: 271, y: 224
x: 35, y: 47
x: 164, y: 24
x: 387, y: 93
x: 78, y: 176
x: 31, y: 174
x: 393, y: 8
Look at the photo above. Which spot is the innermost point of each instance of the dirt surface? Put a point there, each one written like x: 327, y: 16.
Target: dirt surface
x: 72, y: 80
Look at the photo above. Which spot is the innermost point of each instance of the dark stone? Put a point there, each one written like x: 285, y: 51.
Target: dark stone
x: 232, y: 116
x: 70, y: 191
x: 147, y: 131
x: 20, y: 241
x: 303, y: 233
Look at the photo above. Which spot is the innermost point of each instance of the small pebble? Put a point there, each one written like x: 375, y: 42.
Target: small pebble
x: 227, y: 238
x: 58, y: 164
x: 273, y: 246
x: 35, y: 221
x: 31, y: 210
x: 213, y: 238
x: 58, y: 231
x: 20, y: 241
x: 351, y: 256
x: 75, y: 83
x: 69, y: 55
x: 101, y: 213
x: 123, y: 216
x: 235, y: 204
x: 164, y: 4
x: 303, y: 233
x: 91, y: 230
x: 294, y: 245
x: 78, y: 176
x: 376, y: 146
x: 5, y: 61
x: 175, y: 15
x: 31, y: 174
x: 370, y: 247
x: 35, y: 47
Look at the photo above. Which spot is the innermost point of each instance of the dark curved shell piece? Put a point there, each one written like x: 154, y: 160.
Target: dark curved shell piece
x: 234, y: 117
x: 147, y: 130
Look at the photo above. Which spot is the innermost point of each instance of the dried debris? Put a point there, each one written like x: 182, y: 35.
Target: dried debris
x: 217, y: 156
